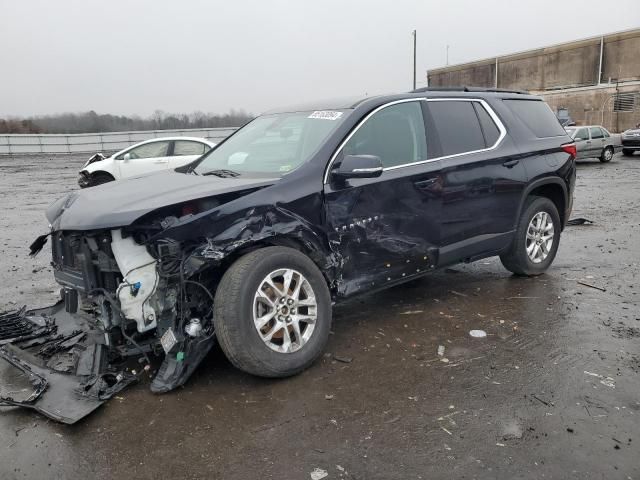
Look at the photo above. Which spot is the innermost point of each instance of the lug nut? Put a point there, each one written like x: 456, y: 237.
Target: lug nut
x: 290, y: 302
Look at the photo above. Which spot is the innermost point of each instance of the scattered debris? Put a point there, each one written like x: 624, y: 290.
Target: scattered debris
x: 592, y: 286
x: 441, y: 350
x: 478, y: 333
x: 411, y: 312
x: 579, y: 221
x: 342, y: 359
x: 446, y: 430
x: 606, y: 381
x: 318, y: 474
x: 328, y: 397
x: 548, y: 404
x: 458, y: 293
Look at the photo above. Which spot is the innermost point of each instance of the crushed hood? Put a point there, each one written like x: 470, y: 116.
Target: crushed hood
x: 120, y: 203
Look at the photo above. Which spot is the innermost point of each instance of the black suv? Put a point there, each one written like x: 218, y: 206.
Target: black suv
x: 308, y: 206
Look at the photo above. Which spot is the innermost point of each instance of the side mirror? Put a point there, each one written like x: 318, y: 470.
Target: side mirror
x: 359, y: 166
x: 127, y: 157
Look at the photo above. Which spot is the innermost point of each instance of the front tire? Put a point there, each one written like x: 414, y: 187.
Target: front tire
x: 607, y: 155
x: 536, y: 239
x: 272, y: 312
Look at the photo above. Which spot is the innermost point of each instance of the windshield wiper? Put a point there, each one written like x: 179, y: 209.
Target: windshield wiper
x: 222, y: 173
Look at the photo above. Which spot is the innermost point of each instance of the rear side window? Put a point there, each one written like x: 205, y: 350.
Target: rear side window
x: 457, y: 126
x: 187, y: 147
x: 537, y: 117
x: 596, y: 132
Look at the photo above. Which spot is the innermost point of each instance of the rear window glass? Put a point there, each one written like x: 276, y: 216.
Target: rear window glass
x: 537, y: 117
x: 457, y: 125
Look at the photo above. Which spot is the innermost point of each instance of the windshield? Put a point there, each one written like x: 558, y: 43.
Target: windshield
x: 272, y: 144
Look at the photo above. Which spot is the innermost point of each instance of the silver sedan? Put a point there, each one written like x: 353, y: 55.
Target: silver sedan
x: 594, y: 141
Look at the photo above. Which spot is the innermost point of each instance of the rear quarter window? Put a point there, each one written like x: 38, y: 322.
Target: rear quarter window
x: 537, y: 117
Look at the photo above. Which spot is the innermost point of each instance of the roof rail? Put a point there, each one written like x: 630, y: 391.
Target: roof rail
x: 468, y: 89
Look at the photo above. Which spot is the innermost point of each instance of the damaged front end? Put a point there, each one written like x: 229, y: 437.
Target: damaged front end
x: 124, y: 299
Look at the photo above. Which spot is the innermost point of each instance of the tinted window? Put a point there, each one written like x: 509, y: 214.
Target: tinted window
x: 149, y: 150
x: 537, y: 117
x: 596, y: 132
x: 583, y: 134
x: 457, y: 125
x: 489, y: 127
x: 185, y: 147
x: 396, y: 134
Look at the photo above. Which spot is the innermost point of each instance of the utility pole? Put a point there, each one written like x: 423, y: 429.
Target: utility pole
x: 447, y: 55
x: 415, y: 34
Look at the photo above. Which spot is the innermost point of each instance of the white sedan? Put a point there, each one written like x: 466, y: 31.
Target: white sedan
x: 144, y: 157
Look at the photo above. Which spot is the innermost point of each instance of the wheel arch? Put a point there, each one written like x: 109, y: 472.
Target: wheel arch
x: 552, y: 188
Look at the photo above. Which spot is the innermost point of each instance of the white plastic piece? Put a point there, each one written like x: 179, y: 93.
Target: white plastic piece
x: 136, y: 266
x: 478, y: 333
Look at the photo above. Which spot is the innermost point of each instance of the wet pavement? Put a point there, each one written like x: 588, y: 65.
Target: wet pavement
x: 552, y: 391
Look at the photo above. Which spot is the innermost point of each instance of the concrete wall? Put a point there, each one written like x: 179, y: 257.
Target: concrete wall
x: 566, y: 75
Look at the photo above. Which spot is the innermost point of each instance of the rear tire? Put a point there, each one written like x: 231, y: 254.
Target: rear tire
x: 626, y: 152
x: 241, y: 305
x: 607, y: 155
x: 99, y: 178
x: 531, y: 252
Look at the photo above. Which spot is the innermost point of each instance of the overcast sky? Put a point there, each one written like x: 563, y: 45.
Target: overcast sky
x: 137, y: 56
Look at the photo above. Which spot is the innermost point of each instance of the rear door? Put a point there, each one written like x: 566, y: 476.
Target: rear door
x: 145, y: 158
x: 385, y: 229
x: 482, y: 181
x: 186, y: 151
x: 583, y: 143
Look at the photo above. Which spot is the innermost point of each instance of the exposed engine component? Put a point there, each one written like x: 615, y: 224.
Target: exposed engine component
x: 139, y: 280
x: 193, y: 328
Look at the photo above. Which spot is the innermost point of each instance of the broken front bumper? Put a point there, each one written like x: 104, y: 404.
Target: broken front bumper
x: 56, y: 363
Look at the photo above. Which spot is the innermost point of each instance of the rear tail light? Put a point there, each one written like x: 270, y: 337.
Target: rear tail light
x: 570, y: 148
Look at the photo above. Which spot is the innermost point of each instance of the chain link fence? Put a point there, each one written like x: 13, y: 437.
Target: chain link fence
x: 97, y: 142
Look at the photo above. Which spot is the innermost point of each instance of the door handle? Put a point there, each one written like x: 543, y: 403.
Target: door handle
x: 425, y: 184
x: 161, y: 161
x: 511, y: 163
x: 588, y: 141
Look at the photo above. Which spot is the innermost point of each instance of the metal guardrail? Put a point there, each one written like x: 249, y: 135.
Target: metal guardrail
x: 97, y: 142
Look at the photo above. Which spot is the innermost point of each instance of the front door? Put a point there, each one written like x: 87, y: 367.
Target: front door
x: 583, y: 143
x: 384, y: 230
x: 145, y: 158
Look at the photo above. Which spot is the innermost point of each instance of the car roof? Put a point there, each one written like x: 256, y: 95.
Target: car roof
x: 428, y: 92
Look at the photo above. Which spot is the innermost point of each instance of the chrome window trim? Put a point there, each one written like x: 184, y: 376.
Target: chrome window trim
x: 485, y: 105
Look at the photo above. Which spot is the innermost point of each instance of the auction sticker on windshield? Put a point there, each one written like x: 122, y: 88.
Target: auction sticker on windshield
x: 326, y: 115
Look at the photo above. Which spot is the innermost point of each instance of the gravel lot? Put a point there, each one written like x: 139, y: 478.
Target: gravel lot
x: 551, y: 392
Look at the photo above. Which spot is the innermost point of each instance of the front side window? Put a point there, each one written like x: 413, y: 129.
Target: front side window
x: 605, y: 132
x: 187, y: 147
x: 596, y: 132
x: 148, y: 150
x: 581, y: 134
x: 396, y: 134
x: 272, y: 144
x: 457, y: 125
